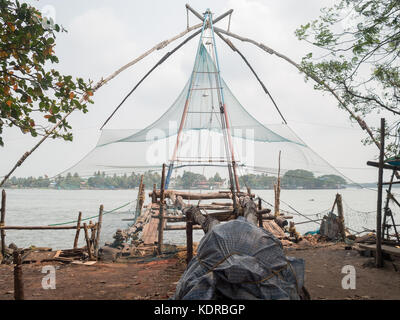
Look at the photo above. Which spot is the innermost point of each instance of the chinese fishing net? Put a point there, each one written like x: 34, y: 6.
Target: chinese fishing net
x: 201, y: 145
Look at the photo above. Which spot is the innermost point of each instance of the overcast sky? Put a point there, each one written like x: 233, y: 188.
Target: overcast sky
x: 103, y: 35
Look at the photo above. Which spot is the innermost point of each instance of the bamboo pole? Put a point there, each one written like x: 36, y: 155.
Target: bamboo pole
x: 89, y: 249
x: 18, y: 277
x: 78, y: 229
x: 2, y: 221
x: 99, y: 223
x: 379, y: 258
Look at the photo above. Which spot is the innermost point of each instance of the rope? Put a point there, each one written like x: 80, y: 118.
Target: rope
x: 104, y: 213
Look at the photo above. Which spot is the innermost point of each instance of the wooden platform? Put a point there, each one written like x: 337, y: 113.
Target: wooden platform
x: 150, y: 231
x: 393, y: 251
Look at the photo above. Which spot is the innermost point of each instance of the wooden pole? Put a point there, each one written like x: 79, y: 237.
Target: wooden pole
x: 2, y: 221
x: 140, y: 198
x: 341, y: 215
x: 260, y: 217
x: 189, y: 237
x: 379, y: 258
x: 100, y: 221
x: 89, y: 247
x: 161, y: 219
x: 18, y: 279
x: 277, y: 187
x: 78, y: 229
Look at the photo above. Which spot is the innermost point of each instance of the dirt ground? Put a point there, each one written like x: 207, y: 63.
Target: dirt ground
x: 123, y: 281
x: 157, y: 279
x: 323, y: 276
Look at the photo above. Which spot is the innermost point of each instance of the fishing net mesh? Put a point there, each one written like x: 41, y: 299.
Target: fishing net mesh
x: 201, y: 144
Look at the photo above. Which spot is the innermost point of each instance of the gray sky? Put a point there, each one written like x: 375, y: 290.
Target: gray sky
x: 103, y: 35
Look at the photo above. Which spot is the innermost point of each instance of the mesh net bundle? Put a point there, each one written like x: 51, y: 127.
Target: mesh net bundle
x: 201, y: 147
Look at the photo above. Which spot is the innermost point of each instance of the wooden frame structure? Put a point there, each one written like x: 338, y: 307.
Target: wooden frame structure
x: 383, y: 225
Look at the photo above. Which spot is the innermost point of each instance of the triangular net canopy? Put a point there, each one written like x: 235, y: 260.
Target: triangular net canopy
x: 201, y: 148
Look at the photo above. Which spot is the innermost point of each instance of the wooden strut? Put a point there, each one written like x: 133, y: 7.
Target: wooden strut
x: 99, y: 84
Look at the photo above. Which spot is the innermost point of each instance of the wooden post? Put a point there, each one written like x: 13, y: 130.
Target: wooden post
x: 341, y: 215
x: 2, y: 221
x: 260, y: 218
x: 89, y: 247
x: 140, y: 197
x: 379, y: 258
x: 161, y: 217
x: 189, y: 237
x: 78, y: 229
x: 18, y: 279
x: 154, y: 194
x: 277, y: 187
x: 100, y: 221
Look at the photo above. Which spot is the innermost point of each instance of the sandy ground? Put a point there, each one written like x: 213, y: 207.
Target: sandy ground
x: 157, y: 279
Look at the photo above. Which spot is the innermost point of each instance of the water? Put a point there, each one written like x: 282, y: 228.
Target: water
x: 37, y: 207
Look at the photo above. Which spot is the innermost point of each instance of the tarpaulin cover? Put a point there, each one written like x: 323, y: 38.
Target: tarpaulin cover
x: 237, y: 260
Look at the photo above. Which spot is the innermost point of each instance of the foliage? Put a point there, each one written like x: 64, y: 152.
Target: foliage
x: 189, y: 180
x: 33, y: 95
x: 360, y: 40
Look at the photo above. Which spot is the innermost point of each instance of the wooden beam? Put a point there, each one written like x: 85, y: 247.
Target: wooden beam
x: 384, y: 166
x: 198, y: 196
x: 37, y: 227
x: 183, y: 227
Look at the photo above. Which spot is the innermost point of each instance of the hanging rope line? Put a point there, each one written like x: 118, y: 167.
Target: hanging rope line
x: 230, y: 44
x: 104, y: 213
x: 165, y: 57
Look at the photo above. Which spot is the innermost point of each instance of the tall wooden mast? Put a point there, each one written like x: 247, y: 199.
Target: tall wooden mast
x: 225, y: 124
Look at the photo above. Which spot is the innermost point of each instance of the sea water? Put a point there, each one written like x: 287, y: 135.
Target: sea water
x: 40, y: 207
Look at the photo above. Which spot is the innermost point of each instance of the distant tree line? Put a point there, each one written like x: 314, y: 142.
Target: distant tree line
x: 292, y: 179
